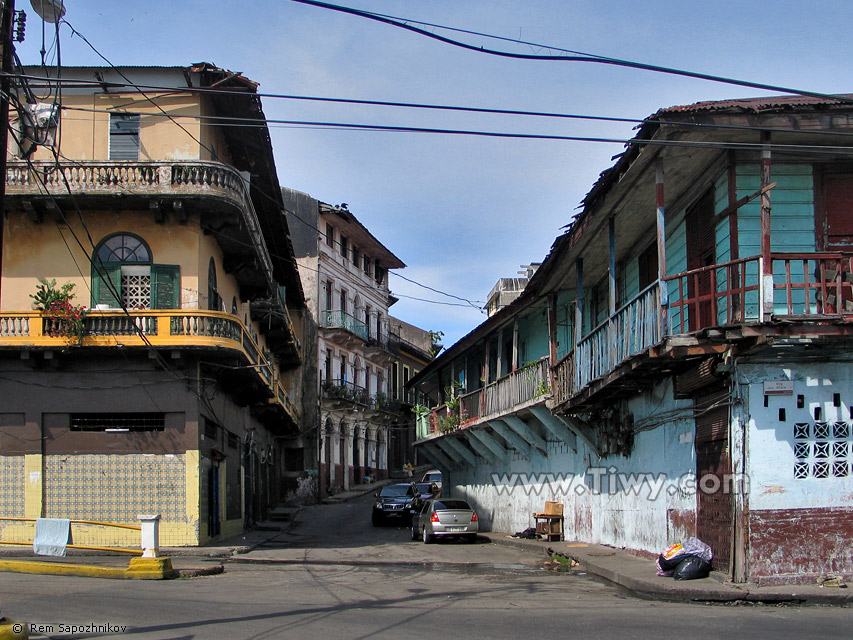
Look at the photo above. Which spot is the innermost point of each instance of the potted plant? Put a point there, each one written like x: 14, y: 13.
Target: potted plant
x: 61, y: 318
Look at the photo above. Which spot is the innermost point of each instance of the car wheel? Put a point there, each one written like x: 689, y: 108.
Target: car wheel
x: 415, y: 531
x: 427, y: 538
x: 376, y: 520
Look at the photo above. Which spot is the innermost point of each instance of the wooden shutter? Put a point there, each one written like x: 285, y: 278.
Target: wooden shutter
x: 124, y: 137
x: 106, y: 284
x: 165, y: 286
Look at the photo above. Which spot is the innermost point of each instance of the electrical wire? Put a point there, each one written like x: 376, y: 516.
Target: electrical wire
x: 423, y: 106
x: 793, y: 148
x: 566, y: 54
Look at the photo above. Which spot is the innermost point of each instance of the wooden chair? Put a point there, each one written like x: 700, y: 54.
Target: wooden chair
x: 549, y: 523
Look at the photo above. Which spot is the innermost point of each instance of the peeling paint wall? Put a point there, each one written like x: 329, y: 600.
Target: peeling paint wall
x: 799, y: 466
x: 605, y: 501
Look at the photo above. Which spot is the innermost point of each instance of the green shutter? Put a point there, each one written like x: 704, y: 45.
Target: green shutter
x: 106, y: 284
x: 165, y: 286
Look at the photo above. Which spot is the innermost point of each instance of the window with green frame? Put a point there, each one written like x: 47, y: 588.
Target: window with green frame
x: 125, y: 276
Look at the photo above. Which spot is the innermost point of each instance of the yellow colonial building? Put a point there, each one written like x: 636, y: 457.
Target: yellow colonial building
x: 153, y: 191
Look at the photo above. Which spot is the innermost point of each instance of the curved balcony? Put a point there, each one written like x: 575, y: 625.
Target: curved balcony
x: 215, y: 189
x: 157, y: 328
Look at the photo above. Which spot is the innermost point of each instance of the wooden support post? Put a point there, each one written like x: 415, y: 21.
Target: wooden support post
x: 515, y: 343
x: 552, y: 338
x: 767, y: 262
x: 661, y: 245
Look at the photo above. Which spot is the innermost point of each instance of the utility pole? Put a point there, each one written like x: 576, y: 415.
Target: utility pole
x: 6, y: 52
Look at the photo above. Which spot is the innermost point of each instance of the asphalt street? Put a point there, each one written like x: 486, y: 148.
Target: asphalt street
x: 357, y: 581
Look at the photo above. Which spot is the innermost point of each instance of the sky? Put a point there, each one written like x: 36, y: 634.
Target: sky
x: 462, y: 211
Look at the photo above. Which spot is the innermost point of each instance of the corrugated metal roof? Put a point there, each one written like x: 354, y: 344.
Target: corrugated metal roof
x: 760, y: 104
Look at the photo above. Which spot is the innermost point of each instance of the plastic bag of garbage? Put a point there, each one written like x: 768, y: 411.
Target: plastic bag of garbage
x: 691, y: 568
x: 674, y: 554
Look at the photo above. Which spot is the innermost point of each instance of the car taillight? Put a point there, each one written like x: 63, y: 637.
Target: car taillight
x: 474, y: 516
x: 433, y: 517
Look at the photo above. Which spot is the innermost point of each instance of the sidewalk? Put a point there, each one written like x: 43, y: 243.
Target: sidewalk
x: 638, y: 575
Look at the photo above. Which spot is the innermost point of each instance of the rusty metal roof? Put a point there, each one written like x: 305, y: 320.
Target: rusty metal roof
x: 758, y: 105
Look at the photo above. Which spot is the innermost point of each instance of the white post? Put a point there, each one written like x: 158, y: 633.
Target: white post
x: 150, y: 535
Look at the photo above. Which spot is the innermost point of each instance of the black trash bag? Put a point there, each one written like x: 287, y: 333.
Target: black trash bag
x: 691, y: 568
x: 671, y: 564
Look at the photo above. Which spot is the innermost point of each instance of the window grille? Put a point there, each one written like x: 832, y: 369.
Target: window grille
x: 118, y: 422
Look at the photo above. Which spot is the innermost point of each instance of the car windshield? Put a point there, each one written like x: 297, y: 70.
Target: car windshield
x: 424, y: 487
x: 433, y: 477
x: 446, y: 505
x: 396, y: 491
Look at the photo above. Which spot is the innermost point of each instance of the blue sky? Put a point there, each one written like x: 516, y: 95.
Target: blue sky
x: 463, y: 211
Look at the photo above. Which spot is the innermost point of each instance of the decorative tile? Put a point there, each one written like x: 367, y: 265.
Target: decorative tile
x: 115, y: 488
x: 12, y: 483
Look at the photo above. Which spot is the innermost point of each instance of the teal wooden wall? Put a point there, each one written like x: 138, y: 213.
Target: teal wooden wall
x: 533, y: 336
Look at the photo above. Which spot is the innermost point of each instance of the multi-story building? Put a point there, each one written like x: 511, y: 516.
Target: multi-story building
x: 680, y: 363
x: 508, y: 289
x: 345, y: 274
x: 417, y: 350
x: 177, y: 390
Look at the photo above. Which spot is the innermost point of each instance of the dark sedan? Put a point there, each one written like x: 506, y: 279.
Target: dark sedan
x: 394, y: 502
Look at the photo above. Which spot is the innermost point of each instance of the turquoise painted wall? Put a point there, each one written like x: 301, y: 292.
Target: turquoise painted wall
x: 533, y: 336
x: 565, y: 323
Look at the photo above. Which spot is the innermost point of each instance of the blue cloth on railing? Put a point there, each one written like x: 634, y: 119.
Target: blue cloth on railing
x: 52, y: 536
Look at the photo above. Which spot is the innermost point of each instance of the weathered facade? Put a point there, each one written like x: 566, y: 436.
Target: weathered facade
x: 416, y: 352
x: 679, y: 364
x: 180, y: 390
x: 345, y: 272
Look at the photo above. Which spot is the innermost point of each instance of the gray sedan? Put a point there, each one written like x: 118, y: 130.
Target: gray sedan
x: 445, y: 518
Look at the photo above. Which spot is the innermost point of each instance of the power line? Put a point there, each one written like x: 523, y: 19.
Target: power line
x: 567, y: 55
x: 414, y: 105
x: 652, y: 142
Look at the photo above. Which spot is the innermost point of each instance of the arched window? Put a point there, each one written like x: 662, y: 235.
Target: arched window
x: 125, y: 276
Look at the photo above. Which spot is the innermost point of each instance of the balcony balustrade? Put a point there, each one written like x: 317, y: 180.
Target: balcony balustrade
x: 147, y: 179
x: 804, y: 286
x: 513, y: 392
x: 163, y: 328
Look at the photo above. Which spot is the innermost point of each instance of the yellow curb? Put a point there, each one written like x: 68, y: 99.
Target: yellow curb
x: 150, y: 568
x: 140, y: 568
x: 11, y: 630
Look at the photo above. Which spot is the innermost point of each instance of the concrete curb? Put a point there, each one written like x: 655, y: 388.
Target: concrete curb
x: 139, y: 569
x: 637, y: 576
x: 11, y: 630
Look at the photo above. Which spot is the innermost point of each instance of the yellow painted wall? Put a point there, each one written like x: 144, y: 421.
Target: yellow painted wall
x: 49, y: 250
x: 193, y: 503
x: 177, y: 134
x: 34, y: 485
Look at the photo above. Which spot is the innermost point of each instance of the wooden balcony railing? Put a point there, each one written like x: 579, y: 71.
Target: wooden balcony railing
x: 166, y: 328
x: 513, y: 391
x: 631, y: 330
x: 804, y: 286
